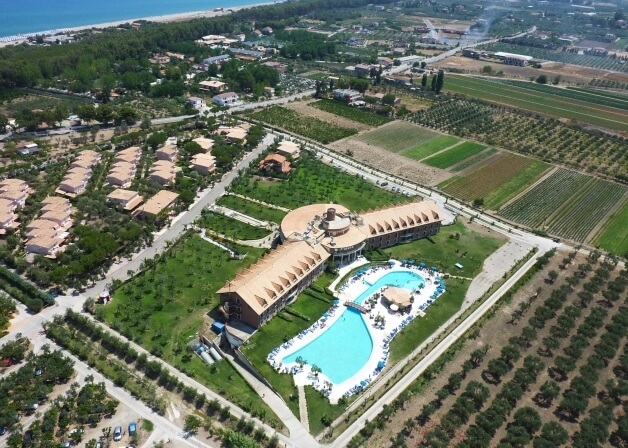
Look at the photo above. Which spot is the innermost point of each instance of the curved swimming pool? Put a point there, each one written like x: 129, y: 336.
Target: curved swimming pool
x: 346, y: 346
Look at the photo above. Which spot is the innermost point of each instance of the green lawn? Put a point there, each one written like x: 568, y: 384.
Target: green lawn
x: 281, y: 329
x: 431, y: 147
x: 314, y: 182
x: 454, y: 155
x: 516, y: 184
x: 398, y: 136
x: 253, y: 209
x: 614, y: 238
x: 231, y: 227
x: 165, y: 306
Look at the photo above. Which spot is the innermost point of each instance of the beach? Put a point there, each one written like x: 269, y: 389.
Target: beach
x: 177, y: 17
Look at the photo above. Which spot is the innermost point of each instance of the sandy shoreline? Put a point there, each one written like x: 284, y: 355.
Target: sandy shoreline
x: 178, y: 17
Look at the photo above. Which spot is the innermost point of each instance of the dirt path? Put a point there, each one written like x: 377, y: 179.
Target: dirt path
x: 304, y: 108
x: 390, y: 162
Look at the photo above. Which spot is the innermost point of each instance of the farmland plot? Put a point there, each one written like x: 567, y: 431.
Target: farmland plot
x: 352, y: 113
x: 309, y: 127
x: 580, y: 216
x: 431, y: 147
x: 398, y: 136
x: 485, y: 179
x: 534, y: 207
x: 614, y: 237
x: 454, y: 155
x: 473, y: 160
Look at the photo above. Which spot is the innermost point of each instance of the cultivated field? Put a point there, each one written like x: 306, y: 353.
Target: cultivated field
x: 558, y: 102
x: 431, y: 147
x: 324, y: 132
x: 566, y: 203
x: 468, y: 163
x: 454, y: 155
x: 497, y: 181
x: 352, y: 113
x: 614, y: 236
x: 553, y: 374
x: 398, y: 136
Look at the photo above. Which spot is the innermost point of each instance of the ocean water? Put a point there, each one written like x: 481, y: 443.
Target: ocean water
x: 31, y: 16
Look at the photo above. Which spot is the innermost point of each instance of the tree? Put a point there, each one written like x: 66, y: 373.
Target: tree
x: 552, y: 275
x: 572, y: 405
x: 424, y: 81
x: 192, y: 424
x: 104, y: 113
x: 389, y: 99
x: 454, y: 382
x: 146, y: 123
x: 487, y: 69
x: 510, y: 354
x: 548, y: 391
x: 527, y: 418
x: 433, y: 84
x: 440, y: 80
x: 552, y: 435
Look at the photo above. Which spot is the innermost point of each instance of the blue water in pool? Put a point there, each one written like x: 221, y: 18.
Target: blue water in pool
x: 344, y: 347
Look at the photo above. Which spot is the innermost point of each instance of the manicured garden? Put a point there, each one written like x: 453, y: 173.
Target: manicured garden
x: 253, y: 209
x: 309, y: 127
x: 315, y: 182
x: 352, y: 113
x: 164, y: 306
x: 231, y: 227
x: 398, y: 136
x: 454, y: 155
x: 430, y: 147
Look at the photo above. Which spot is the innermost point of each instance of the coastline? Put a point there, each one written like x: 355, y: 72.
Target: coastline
x: 166, y: 18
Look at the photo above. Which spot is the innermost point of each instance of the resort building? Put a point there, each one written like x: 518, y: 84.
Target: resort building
x: 206, y: 144
x: 212, y: 86
x: 287, y: 148
x: 196, y: 102
x: 162, y: 200
x: 346, y: 95
x: 204, y: 164
x: 126, y: 199
x: 312, y: 235
x: 275, y: 163
x: 514, y: 59
x: 168, y: 152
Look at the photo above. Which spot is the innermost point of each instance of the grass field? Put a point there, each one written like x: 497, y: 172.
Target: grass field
x: 497, y: 181
x: 231, y: 227
x: 431, y: 147
x: 312, y: 182
x: 529, y: 98
x: 352, y: 113
x: 454, y: 155
x: 614, y: 237
x: 253, y: 209
x: 398, y: 136
x: 309, y: 127
x: 164, y: 306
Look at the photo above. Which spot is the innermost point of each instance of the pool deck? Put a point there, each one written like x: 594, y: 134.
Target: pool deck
x: 381, y: 335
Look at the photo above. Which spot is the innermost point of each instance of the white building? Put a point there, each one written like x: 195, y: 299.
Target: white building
x: 224, y: 99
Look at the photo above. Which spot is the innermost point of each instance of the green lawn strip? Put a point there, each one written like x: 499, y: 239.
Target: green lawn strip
x: 473, y: 160
x: 314, y: 182
x: 162, y: 308
x: 319, y: 409
x: 252, y: 209
x: 398, y: 136
x: 281, y: 329
x: 614, y: 237
x: 350, y: 112
x: 231, y: 227
x: 431, y: 147
x: 454, y: 155
x: 516, y: 184
x: 309, y: 127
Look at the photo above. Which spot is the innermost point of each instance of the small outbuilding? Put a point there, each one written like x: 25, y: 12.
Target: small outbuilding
x: 397, y: 298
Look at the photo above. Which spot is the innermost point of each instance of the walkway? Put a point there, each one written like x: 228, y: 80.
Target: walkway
x: 305, y: 420
x: 239, y: 216
x: 204, y: 236
x: 277, y: 207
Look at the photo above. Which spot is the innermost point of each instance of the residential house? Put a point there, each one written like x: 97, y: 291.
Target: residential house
x: 72, y: 186
x: 275, y: 163
x: 196, y: 102
x: 131, y: 154
x: 281, y: 68
x: 44, y: 246
x: 121, y: 177
x: 8, y: 220
x: 362, y: 69
x: 287, y: 148
x: 27, y: 148
x: 218, y: 60
x: 347, y: 95
x: 164, y: 172
x: 385, y: 62
x: 126, y: 199
x: 212, y: 86
x: 164, y: 199
x: 206, y: 144
x: 204, y: 164
x: 168, y: 152
x: 224, y: 99
x: 232, y: 135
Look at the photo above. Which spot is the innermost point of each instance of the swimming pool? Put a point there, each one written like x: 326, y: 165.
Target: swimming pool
x: 346, y: 346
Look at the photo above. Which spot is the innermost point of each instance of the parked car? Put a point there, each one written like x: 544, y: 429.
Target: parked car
x: 132, y: 429
x: 117, y: 433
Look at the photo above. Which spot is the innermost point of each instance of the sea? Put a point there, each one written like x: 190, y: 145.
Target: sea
x: 34, y: 16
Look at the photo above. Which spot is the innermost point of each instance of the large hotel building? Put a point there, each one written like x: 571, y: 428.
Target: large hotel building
x: 310, y: 237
